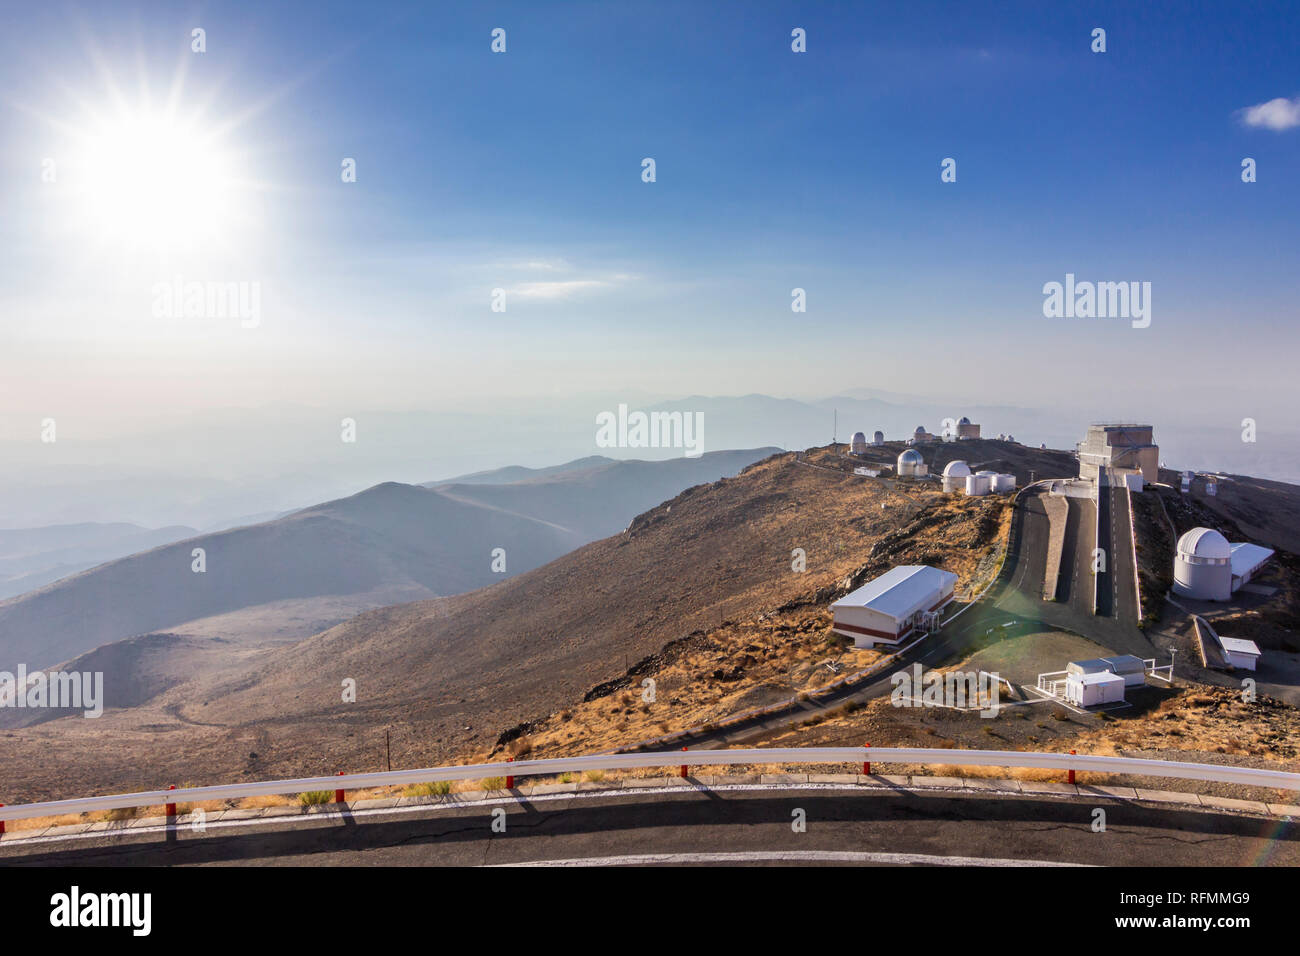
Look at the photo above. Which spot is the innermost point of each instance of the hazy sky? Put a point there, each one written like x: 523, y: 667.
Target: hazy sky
x: 522, y: 171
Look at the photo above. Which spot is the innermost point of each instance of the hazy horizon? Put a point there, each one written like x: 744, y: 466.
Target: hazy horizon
x: 292, y: 221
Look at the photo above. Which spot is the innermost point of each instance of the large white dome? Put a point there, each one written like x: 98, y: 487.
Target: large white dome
x: 956, y: 469
x: 1204, y: 543
x: 910, y: 457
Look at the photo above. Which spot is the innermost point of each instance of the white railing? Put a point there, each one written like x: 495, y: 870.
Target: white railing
x: 1249, y: 776
x: 1050, y: 682
x: 1153, y: 670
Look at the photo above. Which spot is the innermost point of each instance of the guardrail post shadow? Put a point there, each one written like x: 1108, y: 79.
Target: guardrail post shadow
x: 1071, y: 777
x: 683, y: 766
x: 338, y: 794
x: 510, y: 779
x: 866, y: 764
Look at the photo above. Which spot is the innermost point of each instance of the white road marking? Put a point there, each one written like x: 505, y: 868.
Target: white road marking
x: 789, y: 856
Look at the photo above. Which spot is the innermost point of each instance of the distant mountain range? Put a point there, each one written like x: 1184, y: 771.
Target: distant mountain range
x: 33, y: 557
x: 286, y: 578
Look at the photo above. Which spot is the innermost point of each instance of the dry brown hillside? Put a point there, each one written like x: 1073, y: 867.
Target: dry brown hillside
x: 448, y: 676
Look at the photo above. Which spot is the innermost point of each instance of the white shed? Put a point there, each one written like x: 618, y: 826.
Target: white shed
x: 1090, y: 690
x: 1240, y: 653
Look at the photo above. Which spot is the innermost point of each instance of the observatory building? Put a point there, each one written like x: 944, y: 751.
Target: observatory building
x: 954, y: 476
x: 1124, y: 449
x: 878, y: 438
x: 966, y: 430
x: 1203, y: 566
x: 858, y: 444
x: 894, y: 605
x: 1208, y: 568
x: 912, y: 465
x: 920, y: 435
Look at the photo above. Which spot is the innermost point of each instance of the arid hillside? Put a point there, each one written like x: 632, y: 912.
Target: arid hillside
x: 285, y: 579
x: 701, y: 591
x: 446, y: 677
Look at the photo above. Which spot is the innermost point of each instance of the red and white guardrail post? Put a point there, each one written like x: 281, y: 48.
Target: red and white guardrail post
x: 683, y: 765
x: 510, y: 778
x: 338, y: 794
x: 170, y: 809
x: 1071, y: 778
x: 866, y: 764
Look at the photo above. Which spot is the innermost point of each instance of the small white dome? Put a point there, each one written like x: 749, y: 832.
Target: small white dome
x: 1204, y: 543
x: 964, y: 421
x: 859, y: 437
x: 880, y: 436
x: 956, y: 469
x: 920, y: 430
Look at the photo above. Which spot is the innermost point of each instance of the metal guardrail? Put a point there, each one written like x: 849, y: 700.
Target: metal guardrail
x: 1249, y: 776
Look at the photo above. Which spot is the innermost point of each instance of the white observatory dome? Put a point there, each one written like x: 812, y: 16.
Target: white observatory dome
x: 1205, y: 543
x: 954, y: 476
x: 1203, y: 566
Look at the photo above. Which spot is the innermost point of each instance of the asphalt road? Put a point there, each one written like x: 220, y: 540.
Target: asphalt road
x: 686, y: 825
x: 1072, y: 610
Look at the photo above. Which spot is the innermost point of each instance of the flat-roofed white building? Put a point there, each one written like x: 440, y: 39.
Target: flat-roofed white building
x: 887, y: 609
x: 1128, y: 667
x: 1246, y: 559
x: 1240, y: 653
x: 1095, y: 688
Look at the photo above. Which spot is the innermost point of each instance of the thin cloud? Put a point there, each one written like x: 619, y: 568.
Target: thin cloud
x: 1279, y: 114
x: 557, y: 290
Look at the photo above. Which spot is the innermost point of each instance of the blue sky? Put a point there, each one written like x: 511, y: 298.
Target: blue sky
x: 775, y: 170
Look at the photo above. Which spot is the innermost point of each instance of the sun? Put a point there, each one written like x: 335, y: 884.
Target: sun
x: 155, y: 181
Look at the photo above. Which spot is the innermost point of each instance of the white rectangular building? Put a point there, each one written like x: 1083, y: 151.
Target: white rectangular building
x: 892, y: 606
x: 1092, y: 689
x: 1246, y: 560
x: 1240, y: 653
x: 1132, y: 670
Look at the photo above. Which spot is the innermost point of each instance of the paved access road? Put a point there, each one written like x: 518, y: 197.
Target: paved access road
x: 1115, y: 626
x: 698, y: 825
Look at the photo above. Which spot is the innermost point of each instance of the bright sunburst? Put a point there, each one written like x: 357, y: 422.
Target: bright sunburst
x: 153, y: 180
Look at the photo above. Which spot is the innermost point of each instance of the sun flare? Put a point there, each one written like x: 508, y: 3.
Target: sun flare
x: 155, y: 181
